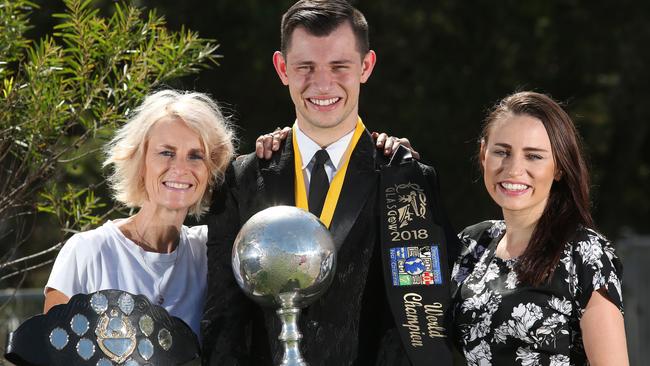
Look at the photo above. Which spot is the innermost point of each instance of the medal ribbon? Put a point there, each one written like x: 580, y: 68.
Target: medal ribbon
x: 336, y: 184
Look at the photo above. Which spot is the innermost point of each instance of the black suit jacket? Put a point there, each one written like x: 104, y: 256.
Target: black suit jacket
x: 351, y: 323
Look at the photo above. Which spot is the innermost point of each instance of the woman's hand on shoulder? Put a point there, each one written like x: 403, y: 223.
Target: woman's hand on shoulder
x: 267, y: 144
x: 390, y: 144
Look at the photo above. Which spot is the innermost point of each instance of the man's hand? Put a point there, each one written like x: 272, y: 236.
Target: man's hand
x: 390, y: 143
x: 266, y: 144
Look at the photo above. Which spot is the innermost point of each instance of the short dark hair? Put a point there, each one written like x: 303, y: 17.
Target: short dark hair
x: 568, y: 206
x: 322, y: 17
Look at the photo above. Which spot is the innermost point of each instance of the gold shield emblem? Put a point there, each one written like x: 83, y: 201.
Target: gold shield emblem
x: 115, y: 336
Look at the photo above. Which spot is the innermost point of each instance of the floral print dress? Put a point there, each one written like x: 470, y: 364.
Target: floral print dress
x: 499, y: 321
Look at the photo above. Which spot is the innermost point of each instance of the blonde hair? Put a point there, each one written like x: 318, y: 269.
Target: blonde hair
x: 126, y: 151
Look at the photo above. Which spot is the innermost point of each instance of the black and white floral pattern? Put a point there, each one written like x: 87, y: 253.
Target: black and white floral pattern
x: 500, y: 321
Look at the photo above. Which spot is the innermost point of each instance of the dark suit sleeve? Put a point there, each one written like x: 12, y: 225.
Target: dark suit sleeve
x: 440, y: 215
x: 225, y: 321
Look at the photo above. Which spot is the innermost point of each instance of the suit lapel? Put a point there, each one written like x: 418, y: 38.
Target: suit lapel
x: 279, y: 176
x: 279, y: 180
x: 360, y: 179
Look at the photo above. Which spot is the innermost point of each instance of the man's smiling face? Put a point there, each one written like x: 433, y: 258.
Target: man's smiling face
x: 324, y: 75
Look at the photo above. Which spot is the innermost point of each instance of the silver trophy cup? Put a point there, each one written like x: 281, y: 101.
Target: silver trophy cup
x: 284, y: 257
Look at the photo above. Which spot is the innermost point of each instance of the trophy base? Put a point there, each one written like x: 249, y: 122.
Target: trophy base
x: 294, y: 363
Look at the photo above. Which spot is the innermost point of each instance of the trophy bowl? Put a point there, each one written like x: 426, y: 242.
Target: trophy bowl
x: 283, y: 250
x: 284, y: 257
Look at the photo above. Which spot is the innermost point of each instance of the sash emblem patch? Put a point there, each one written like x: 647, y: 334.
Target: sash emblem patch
x: 415, y: 265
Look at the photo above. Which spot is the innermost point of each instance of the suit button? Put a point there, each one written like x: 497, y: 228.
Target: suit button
x: 312, y: 324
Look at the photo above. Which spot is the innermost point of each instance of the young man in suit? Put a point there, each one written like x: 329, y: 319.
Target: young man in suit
x: 324, y: 59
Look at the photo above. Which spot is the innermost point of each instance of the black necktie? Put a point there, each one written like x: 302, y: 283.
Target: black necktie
x: 318, y: 183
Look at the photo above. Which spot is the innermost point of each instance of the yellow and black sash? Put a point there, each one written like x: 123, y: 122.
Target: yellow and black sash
x: 414, y: 256
x: 336, y: 184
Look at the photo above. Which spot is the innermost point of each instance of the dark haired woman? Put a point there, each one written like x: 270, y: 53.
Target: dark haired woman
x: 540, y: 287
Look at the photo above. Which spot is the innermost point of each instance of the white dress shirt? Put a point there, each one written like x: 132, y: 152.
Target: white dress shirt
x: 308, y: 149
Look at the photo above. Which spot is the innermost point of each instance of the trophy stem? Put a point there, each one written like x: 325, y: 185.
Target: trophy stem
x: 290, y: 337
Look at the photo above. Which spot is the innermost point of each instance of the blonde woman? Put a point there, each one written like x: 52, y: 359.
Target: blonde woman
x: 166, y: 159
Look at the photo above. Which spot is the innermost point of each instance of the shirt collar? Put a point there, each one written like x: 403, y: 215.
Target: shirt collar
x: 308, y: 148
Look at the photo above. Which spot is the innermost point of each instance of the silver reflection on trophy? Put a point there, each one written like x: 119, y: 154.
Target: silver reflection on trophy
x: 284, y: 257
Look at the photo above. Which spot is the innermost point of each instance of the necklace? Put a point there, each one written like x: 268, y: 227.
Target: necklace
x: 160, y: 290
x: 162, y: 282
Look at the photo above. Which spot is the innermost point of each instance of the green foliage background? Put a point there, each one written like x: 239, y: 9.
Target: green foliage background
x: 63, y: 92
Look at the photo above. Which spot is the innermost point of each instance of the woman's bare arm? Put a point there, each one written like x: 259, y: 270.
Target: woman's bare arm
x: 53, y: 297
x: 603, y: 332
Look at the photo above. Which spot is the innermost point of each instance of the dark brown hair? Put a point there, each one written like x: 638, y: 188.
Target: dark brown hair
x: 320, y: 18
x: 568, y: 205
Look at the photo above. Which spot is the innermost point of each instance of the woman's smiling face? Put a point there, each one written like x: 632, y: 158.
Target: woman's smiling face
x: 175, y: 173
x: 518, y: 164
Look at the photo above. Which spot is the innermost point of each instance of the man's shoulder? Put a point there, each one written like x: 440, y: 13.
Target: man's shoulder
x: 428, y: 170
x: 247, y: 163
x: 244, y: 162
x: 243, y: 167
x: 402, y: 157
